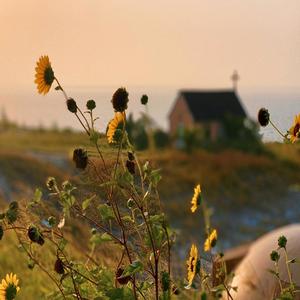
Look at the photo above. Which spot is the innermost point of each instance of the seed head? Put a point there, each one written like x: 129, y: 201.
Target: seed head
x: 91, y: 104
x: 274, y: 256
x: 35, y: 235
x: 282, y: 241
x: 120, y: 100
x: 144, y: 99
x: 72, y: 106
x: 263, y: 117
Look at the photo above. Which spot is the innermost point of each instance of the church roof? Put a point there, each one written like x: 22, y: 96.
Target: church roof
x: 208, y: 105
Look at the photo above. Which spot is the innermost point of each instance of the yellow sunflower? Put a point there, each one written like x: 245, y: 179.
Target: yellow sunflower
x: 295, y: 130
x: 9, y: 287
x: 192, y: 264
x: 113, y: 125
x: 196, y: 198
x: 211, y: 240
x: 44, y: 75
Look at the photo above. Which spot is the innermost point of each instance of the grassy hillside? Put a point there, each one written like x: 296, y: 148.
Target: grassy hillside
x: 253, y: 192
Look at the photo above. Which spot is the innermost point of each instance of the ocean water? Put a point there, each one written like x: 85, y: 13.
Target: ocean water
x: 29, y: 108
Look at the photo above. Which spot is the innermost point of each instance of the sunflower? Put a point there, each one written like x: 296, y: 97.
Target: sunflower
x: 192, y: 264
x: 44, y: 75
x: 113, y: 125
x: 196, y: 198
x: 295, y: 130
x: 9, y: 287
x: 211, y: 240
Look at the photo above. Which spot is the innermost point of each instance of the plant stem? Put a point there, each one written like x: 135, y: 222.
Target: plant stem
x: 276, y: 128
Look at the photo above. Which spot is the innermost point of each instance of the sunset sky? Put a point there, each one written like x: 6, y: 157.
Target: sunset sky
x: 193, y: 43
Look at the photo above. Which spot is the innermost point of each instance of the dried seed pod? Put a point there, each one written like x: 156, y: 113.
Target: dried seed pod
x: 59, y: 266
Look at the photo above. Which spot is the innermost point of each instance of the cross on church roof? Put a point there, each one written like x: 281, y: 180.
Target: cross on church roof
x: 235, y: 77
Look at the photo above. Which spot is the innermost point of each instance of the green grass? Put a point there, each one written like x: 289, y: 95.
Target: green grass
x: 42, y: 141
x: 34, y: 283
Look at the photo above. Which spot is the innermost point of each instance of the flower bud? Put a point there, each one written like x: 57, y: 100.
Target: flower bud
x: 90, y: 104
x: 130, y: 156
x: 52, y: 221
x: 31, y: 264
x: 130, y: 203
x: 35, y: 236
x: 120, y: 100
x: 144, y: 99
x: 274, y: 256
x: 282, y: 241
x: 72, y: 106
x: 263, y: 117
x: 80, y: 158
x: 11, y: 215
x: 13, y: 205
x: 51, y: 183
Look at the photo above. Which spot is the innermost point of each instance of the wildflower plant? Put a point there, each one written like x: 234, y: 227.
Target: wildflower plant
x: 292, y: 135
x: 117, y: 201
x: 287, y: 290
x: 206, y: 270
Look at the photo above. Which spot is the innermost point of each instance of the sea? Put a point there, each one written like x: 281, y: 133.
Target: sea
x: 27, y: 108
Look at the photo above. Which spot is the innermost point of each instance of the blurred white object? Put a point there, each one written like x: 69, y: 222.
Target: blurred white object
x: 252, y: 277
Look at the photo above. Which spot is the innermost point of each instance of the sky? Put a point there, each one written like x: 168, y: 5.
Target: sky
x: 187, y: 43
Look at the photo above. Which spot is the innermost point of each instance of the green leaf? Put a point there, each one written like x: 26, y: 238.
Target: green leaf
x: 158, y: 219
x: 86, y: 203
x: 120, y: 294
x: 105, y: 237
x: 146, y: 167
x: 106, y: 212
x: 132, y: 269
x: 125, y: 179
x: 62, y: 244
x: 127, y: 219
x: 155, y: 177
x: 98, y: 239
